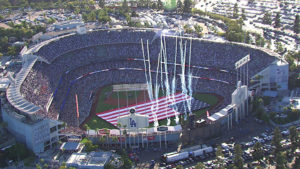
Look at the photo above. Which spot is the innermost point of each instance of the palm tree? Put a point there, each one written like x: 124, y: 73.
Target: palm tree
x: 101, y: 140
x: 64, y: 125
x: 259, y: 78
x: 115, y: 139
x: 119, y: 125
x: 42, y: 160
x: 45, y: 165
x: 87, y: 128
x: 125, y: 134
x: 106, y: 133
x: 97, y: 129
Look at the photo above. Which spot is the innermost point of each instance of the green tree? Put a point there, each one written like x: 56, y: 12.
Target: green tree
x: 243, y: 14
x: 42, y: 160
x: 179, y: 167
x: 103, y: 16
x: 4, y: 4
x: 238, y: 160
x: 160, y: 5
x: 297, y: 24
x: 235, y: 11
x: 125, y: 7
x: 38, y: 166
x: 127, y: 162
x: 200, y: 166
x: 102, y: 3
x: 279, y: 47
x: 154, y: 6
x: 89, y: 146
x: 134, y: 14
x: 220, y: 156
x: 106, y: 131
x: 91, y: 16
x: 59, y: 4
x: 45, y: 166
x: 258, y: 152
x: 97, y: 131
x: 63, y: 166
x: 294, y: 137
x: 86, y: 127
x: 18, y: 152
x: 277, y: 20
x: 179, y: 6
x: 109, y: 166
x: 198, y: 30
x: 281, y: 160
x: 260, y: 41
x: 234, y: 32
x: 187, y: 8
x: 102, y: 139
x: 267, y: 19
x: 277, y: 137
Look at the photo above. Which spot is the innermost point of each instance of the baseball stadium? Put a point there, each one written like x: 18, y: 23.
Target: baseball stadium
x: 87, y: 80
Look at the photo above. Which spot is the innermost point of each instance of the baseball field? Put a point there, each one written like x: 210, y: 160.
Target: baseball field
x: 106, y: 99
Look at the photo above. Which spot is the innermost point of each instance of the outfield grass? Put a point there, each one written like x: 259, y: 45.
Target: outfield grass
x: 208, y: 98
x: 124, y: 95
x: 99, y: 123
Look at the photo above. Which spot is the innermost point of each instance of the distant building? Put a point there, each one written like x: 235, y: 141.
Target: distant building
x: 92, y: 160
x: 71, y: 24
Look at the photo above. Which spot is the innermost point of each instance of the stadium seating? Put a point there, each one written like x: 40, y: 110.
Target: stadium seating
x: 73, y: 58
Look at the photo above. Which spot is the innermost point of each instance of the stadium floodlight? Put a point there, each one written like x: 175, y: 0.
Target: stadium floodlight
x: 242, y: 61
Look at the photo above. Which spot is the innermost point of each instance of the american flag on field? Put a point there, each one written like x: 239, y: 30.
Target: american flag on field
x: 161, y: 105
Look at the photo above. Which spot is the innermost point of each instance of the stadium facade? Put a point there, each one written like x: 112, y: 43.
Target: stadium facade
x: 42, y: 94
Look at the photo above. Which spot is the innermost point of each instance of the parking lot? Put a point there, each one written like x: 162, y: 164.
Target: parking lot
x: 247, y: 133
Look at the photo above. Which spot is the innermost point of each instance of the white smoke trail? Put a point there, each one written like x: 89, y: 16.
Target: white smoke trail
x: 147, y: 81
x: 150, y: 88
x: 167, y: 84
x: 183, y: 84
x: 189, y: 101
x: 174, y: 85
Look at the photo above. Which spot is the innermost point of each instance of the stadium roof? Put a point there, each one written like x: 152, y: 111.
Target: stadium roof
x: 14, y: 96
x: 17, y: 100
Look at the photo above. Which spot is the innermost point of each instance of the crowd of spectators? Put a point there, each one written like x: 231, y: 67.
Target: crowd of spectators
x: 72, y: 59
x: 57, y: 48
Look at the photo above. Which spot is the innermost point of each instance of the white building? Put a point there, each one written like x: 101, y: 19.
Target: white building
x: 38, y: 134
